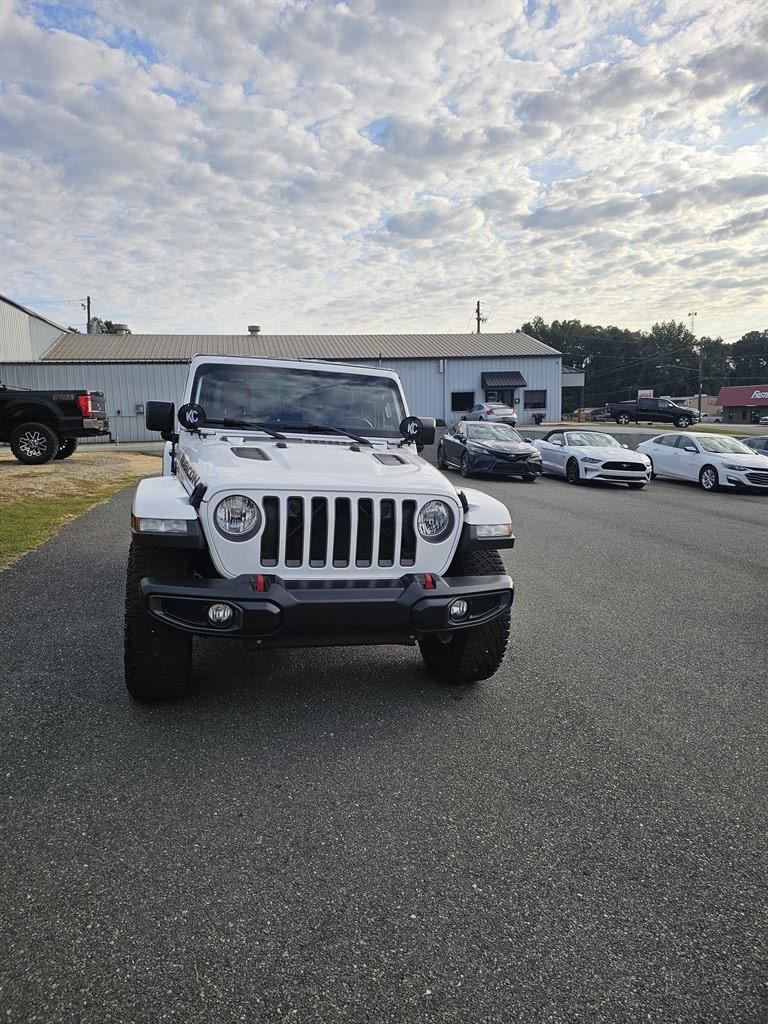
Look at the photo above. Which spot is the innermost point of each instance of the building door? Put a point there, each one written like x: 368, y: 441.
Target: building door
x: 505, y: 396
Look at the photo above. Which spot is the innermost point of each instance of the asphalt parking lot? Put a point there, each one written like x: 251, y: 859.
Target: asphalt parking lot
x: 328, y: 835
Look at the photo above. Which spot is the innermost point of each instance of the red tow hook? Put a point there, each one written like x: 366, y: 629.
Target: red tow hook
x: 429, y: 583
x: 260, y: 583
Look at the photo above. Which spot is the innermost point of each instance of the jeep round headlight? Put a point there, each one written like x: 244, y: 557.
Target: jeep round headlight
x: 237, y: 517
x: 435, y: 521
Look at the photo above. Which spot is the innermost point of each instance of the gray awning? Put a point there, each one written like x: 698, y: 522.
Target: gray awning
x: 510, y: 379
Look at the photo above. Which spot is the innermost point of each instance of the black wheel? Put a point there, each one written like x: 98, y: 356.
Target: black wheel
x: 67, y: 447
x: 623, y: 419
x: 636, y: 486
x: 34, y: 443
x: 572, y: 474
x: 465, y: 471
x: 441, y: 463
x: 683, y: 422
x: 708, y: 478
x: 158, y: 659
x: 469, y: 655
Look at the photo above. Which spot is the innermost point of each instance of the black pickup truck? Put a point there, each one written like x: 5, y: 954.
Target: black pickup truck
x: 653, y: 410
x: 45, y: 425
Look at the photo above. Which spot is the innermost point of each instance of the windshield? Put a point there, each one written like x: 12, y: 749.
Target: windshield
x: 492, y: 432
x: 579, y: 439
x: 285, y: 397
x: 719, y: 443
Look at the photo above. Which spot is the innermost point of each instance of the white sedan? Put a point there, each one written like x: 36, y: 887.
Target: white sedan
x: 492, y: 412
x: 581, y: 455
x: 713, y: 460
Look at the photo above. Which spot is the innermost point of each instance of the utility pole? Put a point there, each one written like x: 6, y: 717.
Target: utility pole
x: 692, y: 318
x: 477, y: 314
x: 88, y: 314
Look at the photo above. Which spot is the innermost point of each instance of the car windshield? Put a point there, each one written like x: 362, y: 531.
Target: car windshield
x: 290, y: 397
x: 720, y: 443
x: 492, y: 432
x: 578, y: 439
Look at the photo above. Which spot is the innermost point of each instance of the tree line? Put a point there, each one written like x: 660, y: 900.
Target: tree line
x: 618, y: 362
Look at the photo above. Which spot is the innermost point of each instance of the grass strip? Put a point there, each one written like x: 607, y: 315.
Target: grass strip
x: 26, y: 524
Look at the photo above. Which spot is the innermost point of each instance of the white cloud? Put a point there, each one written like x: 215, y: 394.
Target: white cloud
x: 378, y: 166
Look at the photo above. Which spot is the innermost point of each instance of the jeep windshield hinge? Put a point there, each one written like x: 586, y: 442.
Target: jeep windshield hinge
x: 197, y: 495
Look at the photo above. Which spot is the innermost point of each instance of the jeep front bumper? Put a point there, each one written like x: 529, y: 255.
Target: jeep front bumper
x: 318, y: 613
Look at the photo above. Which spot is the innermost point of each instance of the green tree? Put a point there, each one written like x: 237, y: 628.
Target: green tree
x: 105, y: 326
x: 749, y: 356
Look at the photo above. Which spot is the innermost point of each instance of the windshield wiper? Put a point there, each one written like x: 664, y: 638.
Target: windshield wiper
x: 251, y: 425
x: 327, y: 428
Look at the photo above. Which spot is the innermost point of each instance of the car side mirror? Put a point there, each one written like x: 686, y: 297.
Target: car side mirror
x: 689, y: 448
x: 159, y: 417
x: 529, y: 440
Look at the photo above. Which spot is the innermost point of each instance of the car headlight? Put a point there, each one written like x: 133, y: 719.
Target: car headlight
x: 593, y: 462
x: 535, y: 455
x: 736, y: 468
x: 435, y: 521
x: 237, y: 517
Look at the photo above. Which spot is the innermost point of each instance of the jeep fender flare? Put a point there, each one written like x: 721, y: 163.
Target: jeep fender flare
x: 484, y: 510
x: 163, y: 497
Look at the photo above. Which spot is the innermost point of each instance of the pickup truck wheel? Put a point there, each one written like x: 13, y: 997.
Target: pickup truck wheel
x: 158, y: 659
x: 683, y: 422
x: 469, y: 655
x: 572, y: 474
x: 623, y: 419
x: 34, y: 443
x: 67, y: 447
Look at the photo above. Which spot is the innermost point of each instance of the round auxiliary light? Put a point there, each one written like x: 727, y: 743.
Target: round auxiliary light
x: 237, y: 517
x: 220, y: 614
x: 458, y: 609
x: 435, y: 521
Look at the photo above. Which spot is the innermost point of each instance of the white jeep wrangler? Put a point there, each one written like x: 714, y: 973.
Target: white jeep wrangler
x: 294, y: 510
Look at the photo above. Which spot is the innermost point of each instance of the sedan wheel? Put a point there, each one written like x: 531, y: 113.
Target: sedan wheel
x: 441, y: 463
x: 572, y: 474
x: 465, y: 465
x: 708, y: 478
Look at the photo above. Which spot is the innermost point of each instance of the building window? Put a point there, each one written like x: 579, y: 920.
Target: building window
x: 535, y: 399
x: 462, y: 401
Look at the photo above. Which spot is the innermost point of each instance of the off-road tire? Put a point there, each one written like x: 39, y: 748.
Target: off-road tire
x: 34, y: 443
x: 469, y: 655
x: 67, y: 447
x: 158, y: 659
x: 705, y: 476
x: 572, y: 472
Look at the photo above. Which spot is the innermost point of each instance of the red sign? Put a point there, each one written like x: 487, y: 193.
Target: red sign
x: 750, y: 394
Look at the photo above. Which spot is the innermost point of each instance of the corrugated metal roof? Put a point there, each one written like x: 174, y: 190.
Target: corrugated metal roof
x: 181, y: 347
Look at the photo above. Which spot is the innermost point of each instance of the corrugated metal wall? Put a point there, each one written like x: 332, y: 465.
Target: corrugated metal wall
x: 427, y: 390
x: 22, y: 336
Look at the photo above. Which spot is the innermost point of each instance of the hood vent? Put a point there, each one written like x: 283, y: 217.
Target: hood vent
x: 388, y: 459
x: 251, y: 453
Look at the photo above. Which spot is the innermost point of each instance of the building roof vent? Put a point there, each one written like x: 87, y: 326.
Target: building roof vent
x: 254, y: 329
x: 121, y: 328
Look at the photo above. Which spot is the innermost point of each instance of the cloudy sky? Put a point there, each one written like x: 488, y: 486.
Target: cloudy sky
x: 379, y: 166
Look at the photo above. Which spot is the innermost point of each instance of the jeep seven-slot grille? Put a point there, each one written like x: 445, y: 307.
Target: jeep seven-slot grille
x: 317, y: 532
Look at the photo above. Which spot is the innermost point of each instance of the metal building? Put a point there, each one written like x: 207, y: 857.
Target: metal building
x: 443, y: 375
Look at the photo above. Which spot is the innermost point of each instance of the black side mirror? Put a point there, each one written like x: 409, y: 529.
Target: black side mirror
x: 528, y: 440
x: 159, y: 417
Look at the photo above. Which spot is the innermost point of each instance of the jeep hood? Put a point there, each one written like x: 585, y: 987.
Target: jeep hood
x: 315, y: 465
